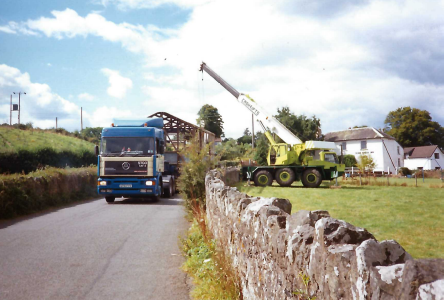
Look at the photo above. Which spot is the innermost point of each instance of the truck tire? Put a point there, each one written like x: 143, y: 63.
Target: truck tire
x: 174, y: 187
x: 110, y: 199
x: 285, y: 176
x: 263, y: 178
x: 311, y: 178
x: 168, y: 192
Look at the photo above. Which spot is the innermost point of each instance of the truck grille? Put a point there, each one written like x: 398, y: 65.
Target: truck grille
x: 126, y: 168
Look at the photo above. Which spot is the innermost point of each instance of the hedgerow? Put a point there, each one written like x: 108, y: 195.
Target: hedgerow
x: 24, y: 194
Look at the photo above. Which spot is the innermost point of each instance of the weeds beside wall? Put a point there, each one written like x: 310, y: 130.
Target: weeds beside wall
x: 207, y: 265
x: 23, y: 194
x: 308, y: 254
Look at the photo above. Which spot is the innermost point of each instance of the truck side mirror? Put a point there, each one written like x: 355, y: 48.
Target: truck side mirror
x: 96, y: 148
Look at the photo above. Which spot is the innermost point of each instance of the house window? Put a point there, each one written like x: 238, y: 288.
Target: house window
x: 436, y: 155
x: 399, y: 162
x: 363, y: 145
x: 344, y: 145
x: 398, y: 151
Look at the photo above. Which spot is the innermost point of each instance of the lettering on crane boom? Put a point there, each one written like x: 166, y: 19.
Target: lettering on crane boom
x: 250, y: 107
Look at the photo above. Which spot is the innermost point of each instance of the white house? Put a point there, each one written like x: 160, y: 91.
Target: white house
x: 425, y: 157
x: 384, y: 149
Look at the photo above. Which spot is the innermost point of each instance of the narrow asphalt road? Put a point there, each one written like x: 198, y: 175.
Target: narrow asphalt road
x: 95, y: 250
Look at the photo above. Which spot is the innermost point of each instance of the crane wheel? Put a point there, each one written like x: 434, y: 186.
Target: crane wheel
x: 311, y: 178
x: 263, y: 178
x: 110, y: 199
x: 285, y: 176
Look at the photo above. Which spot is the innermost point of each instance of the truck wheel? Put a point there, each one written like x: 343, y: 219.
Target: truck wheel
x: 263, y: 178
x: 168, y: 192
x: 174, y: 187
x: 285, y: 176
x: 110, y: 199
x: 311, y: 178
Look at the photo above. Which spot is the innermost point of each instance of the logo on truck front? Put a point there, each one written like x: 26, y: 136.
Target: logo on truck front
x: 126, y: 165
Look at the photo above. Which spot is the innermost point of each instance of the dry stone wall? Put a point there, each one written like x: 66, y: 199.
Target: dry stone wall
x: 273, y: 251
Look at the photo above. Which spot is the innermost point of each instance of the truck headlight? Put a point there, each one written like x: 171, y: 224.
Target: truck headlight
x: 102, y: 183
x: 150, y: 182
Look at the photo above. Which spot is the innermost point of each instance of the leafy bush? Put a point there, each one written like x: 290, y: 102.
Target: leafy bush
x: 30, y: 160
x: 404, y: 171
x: 191, y: 182
x: 349, y: 161
x: 23, y: 194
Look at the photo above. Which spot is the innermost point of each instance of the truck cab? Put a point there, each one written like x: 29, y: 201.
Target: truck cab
x: 131, y: 160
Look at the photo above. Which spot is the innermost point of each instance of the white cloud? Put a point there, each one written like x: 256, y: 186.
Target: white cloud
x: 85, y: 96
x: 119, y: 85
x: 349, y: 64
x: 138, y: 4
x: 40, y: 105
x: 103, y: 116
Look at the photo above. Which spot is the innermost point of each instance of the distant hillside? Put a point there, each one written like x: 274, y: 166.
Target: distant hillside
x: 12, y: 140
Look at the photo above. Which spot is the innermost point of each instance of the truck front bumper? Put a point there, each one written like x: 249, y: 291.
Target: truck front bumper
x: 128, y: 187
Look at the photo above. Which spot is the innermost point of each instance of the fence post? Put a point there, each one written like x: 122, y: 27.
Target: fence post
x: 422, y: 175
x: 388, y: 174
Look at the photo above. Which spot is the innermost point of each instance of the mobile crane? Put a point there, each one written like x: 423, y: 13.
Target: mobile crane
x: 310, y: 162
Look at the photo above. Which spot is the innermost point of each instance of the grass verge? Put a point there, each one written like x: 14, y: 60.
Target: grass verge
x: 212, y: 276
x: 411, y: 216
x: 24, y: 194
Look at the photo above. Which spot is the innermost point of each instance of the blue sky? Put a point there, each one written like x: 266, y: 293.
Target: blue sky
x: 349, y: 63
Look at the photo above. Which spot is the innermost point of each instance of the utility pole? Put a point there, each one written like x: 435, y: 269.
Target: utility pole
x: 252, y: 131
x: 19, y: 93
x: 81, y: 118
x: 56, y: 123
x: 10, y: 112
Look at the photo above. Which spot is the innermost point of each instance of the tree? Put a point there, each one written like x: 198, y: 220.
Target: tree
x: 212, y: 120
x: 231, y: 150
x: 366, y: 163
x: 414, y: 127
x: 92, y: 134
x: 304, y: 128
x: 349, y: 160
x: 246, y: 138
x: 261, y: 149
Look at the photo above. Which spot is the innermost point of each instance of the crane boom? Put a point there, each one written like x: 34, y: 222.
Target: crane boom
x: 266, y: 120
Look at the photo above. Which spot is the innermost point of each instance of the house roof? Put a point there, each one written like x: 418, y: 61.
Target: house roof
x: 356, y: 134
x: 420, y: 152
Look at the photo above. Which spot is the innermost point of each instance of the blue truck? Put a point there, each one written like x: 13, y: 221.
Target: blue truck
x: 132, y: 162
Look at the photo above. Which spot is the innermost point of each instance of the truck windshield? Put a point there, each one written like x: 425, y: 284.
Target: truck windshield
x: 331, y: 157
x: 127, y: 146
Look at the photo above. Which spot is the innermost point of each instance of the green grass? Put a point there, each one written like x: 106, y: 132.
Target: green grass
x: 12, y: 140
x: 212, y: 276
x: 411, y: 216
